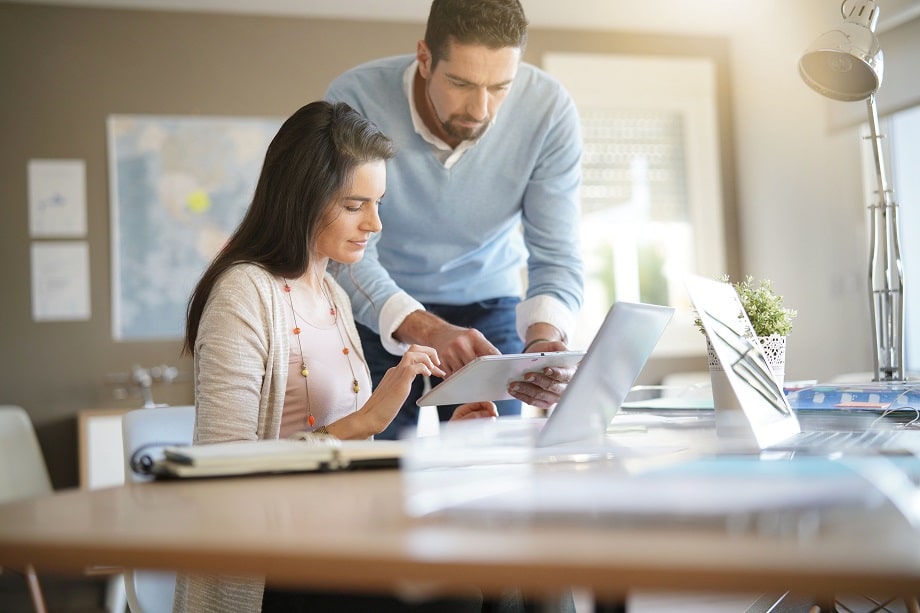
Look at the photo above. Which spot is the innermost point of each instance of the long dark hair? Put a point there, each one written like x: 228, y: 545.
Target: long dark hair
x: 492, y: 23
x: 308, y: 163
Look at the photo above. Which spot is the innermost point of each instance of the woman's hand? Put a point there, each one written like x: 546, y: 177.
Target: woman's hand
x: 391, y: 392
x: 475, y: 410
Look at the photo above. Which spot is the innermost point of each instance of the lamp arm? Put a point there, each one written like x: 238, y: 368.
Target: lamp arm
x: 886, y: 279
x: 877, y: 152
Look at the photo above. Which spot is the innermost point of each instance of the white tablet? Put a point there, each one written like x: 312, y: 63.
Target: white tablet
x: 487, y: 377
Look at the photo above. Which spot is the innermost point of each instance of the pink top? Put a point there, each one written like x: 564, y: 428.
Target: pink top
x: 332, y: 395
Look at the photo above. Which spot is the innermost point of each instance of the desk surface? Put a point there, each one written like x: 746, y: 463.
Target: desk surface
x: 349, y: 530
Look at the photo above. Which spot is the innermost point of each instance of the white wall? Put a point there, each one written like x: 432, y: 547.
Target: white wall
x: 801, y: 210
x: 802, y: 214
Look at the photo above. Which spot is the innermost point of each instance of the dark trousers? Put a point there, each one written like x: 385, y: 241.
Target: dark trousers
x: 292, y: 601
x: 277, y: 600
x: 495, y: 318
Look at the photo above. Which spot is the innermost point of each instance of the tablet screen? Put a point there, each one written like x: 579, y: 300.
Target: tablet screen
x: 487, y: 377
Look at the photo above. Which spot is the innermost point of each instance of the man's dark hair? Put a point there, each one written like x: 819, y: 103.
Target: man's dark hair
x: 493, y: 23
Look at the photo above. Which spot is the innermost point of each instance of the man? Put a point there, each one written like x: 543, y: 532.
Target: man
x: 486, y: 145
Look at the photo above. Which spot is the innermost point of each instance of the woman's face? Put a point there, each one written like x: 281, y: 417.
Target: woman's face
x: 352, y: 218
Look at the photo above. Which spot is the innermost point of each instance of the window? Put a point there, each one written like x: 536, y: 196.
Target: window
x: 651, y: 193
x: 902, y: 153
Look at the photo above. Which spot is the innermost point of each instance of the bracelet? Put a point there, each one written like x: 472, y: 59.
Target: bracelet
x: 321, y: 430
x: 534, y: 342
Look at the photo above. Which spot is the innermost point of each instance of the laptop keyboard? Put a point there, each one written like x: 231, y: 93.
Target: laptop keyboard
x: 867, y: 440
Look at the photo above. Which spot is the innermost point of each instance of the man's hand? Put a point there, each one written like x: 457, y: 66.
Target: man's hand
x: 455, y: 345
x: 542, y: 389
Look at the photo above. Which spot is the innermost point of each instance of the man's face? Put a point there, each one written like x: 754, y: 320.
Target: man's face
x: 465, y: 90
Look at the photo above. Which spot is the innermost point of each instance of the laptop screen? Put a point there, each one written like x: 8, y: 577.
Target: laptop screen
x: 611, y: 366
x: 762, y: 410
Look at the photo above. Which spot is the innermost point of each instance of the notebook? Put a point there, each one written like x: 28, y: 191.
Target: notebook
x: 764, y: 419
x: 307, y: 454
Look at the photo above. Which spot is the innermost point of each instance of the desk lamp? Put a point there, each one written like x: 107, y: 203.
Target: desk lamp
x: 847, y: 64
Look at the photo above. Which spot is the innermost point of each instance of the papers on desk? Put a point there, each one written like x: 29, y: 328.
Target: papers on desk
x: 276, y: 456
x: 641, y: 479
x: 728, y: 491
x: 670, y: 403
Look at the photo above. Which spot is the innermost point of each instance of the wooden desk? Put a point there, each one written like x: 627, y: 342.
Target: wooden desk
x: 349, y: 530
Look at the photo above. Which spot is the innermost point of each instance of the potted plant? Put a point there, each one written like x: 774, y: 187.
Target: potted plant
x: 771, y: 321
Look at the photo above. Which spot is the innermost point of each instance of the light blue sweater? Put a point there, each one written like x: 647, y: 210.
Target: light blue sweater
x: 452, y: 236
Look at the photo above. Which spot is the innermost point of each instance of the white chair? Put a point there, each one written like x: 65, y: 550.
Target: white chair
x: 145, y: 433
x: 23, y: 474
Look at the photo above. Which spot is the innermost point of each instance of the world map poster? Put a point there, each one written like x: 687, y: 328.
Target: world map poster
x: 179, y: 186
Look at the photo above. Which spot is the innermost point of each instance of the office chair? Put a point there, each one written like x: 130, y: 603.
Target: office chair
x: 23, y: 474
x: 145, y: 433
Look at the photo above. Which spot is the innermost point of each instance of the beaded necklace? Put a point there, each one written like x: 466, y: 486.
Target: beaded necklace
x: 305, y: 373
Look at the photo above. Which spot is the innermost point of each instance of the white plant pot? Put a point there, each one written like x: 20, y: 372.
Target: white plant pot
x: 730, y: 419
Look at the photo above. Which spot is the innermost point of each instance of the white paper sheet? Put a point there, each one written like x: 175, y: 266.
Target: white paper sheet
x: 57, y: 198
x: 60, y: 281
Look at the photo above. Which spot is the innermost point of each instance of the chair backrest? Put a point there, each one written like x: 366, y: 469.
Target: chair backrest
x: 23, y: 472
x: 145, y: 433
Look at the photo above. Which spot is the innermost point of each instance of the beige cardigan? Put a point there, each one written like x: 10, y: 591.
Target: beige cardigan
x: 241, y: 368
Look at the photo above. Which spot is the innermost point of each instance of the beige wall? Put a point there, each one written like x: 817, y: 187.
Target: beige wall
x: 64, y: 70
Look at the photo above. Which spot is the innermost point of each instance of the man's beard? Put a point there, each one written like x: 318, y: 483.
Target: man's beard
x: 462, y: 133
x: 456, y: 131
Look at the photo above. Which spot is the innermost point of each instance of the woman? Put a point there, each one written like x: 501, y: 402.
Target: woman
x: 274, y: 342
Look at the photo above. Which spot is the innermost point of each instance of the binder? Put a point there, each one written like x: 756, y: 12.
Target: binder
x: 236, y: 458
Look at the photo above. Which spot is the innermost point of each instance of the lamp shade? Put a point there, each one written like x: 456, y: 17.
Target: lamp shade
x: 847, y: 62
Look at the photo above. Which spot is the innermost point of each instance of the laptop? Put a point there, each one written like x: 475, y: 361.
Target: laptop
x: 604, y: 375
x: 483, y: 462
x: 593, y: 396
x: 763, y: 418
x: 613, y: 362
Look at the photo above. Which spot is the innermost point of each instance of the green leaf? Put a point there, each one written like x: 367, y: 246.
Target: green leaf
x: 764, y: 307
